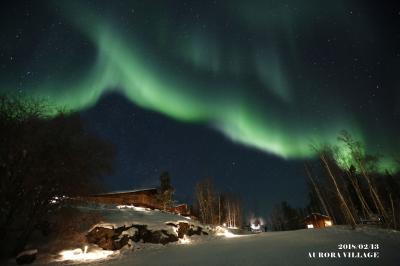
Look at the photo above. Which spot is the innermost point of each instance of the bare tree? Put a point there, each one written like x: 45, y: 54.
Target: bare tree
x: 206, y: 196
x: 345, y: 207
x: 216, y: 208
x: 361, y: 160
x: 232, y: 210
x: 316, y: 188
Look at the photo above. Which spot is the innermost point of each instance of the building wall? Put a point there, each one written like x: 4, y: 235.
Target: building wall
x: 146, y: 199
x: 316, y: 221
x: 138, y: 199
x: 181, y: 209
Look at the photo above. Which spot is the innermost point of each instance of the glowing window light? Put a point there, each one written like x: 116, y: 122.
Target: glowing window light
x: 328, y: 223
x: 309, y: 226
x: 83, y: 255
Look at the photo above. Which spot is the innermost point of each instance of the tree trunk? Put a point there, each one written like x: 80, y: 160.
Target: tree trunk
x: 346, y: 211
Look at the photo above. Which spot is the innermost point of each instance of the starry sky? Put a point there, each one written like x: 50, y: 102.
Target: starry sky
x: 234, y: 90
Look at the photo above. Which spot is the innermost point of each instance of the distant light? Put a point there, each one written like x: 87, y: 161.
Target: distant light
x: 82, y: 255
x: 255, y: 227
x: 256, y: 224
x: 309, y: 226
x: 328, y: 223
x: 57, y: 199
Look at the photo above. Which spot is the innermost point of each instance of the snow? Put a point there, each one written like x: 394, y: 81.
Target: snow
x: 117, y: 216
x: 85, y: 255
x: 227, y: 248
x: 270, y: 248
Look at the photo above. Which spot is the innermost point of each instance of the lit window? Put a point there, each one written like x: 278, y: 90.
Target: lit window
x: 328, y: 223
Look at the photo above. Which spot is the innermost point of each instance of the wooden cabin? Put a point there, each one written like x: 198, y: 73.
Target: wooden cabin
x: 139, y: 197
x: 147, y: 198
x: 181, y: 209
x: 317, y: 220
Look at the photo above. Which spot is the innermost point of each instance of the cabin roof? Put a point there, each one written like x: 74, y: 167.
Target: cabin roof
x: 126, y: 191
x: 318, y: 214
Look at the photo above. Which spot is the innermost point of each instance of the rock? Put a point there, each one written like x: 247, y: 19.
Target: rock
x: 160, y: 237
x: 172, y: 224
x: 170, y: 237
x: 26, y: 257
x: 117, y: 238
x: 106, y: 243
x: 121, y: 242
x: 154, y: 237
x: 99, y: 234
x: 183, y: 229
x: 107, y: 238
x: 193, y: 231
x: 142, y: 233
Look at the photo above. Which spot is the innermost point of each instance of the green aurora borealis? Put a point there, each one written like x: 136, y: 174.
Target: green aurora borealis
x: 266, y: 75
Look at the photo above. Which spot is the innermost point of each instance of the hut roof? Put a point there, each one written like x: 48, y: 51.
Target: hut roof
x: 127, y: 191
x: 318, y: 214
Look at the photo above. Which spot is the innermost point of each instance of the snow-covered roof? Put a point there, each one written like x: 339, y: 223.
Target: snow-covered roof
x: 318, y: 214
x: 125, y: 191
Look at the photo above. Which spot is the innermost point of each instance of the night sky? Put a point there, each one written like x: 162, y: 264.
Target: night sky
x: 233, y: 90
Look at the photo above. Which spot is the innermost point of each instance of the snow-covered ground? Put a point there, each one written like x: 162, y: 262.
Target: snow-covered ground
x: 270, y: 248
x: 126, y: 215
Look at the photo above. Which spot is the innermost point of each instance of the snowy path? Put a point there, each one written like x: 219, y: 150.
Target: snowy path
x: 273, y: 248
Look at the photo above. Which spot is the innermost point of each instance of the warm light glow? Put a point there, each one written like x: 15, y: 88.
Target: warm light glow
x: 225, y: 232
x: 328, y: 223
x: 255, y: 227
x: 309, y: 226
x: 139, y: 209
x: 185, y: 240
x: 256, y: 224
x: 83, y: 255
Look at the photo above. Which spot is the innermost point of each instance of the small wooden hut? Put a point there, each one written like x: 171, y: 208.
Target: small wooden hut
x: 317, y: 220
x: 147, y: 198
x: 139, y: 197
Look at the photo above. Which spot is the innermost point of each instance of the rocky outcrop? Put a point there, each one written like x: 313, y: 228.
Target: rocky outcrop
x: 116, y: 238
x: 109, y: 238
x: 155, y: 237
